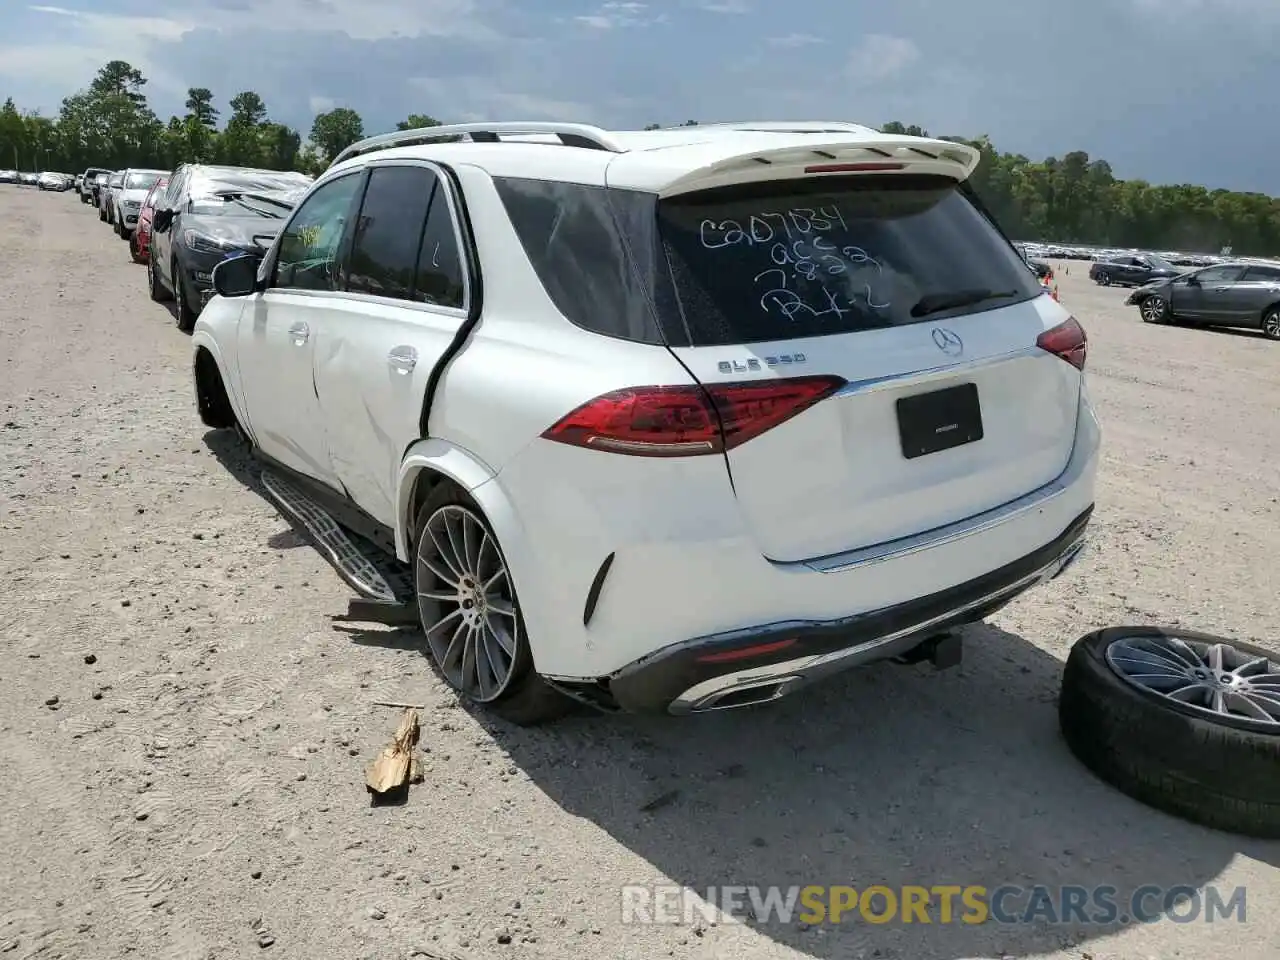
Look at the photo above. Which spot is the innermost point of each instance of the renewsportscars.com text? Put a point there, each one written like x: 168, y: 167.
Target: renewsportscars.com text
x: 936, y: 904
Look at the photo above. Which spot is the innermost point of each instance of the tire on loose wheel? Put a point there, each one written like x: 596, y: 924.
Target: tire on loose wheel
x: 1185, y: 722
x: 469, y: 609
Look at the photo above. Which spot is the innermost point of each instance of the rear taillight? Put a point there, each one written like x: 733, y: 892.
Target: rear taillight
x: 1066, y: 340
x: 690, y: 420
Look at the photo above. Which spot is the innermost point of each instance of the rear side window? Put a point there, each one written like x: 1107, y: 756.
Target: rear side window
x: 804, y: 258
x: 439, y: 278
x: 384, y: 254
x: 1264, y: 274
x: 572, y: 240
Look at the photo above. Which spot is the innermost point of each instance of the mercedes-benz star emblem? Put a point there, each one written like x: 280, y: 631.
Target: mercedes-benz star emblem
x: 948, y: 341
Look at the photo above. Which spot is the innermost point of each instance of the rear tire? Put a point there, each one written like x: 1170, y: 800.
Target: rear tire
x: 102, y: 215
x: 1104, y: 279
x: 446, y: 579
x: 1271, y: 323
x: 134, y: 252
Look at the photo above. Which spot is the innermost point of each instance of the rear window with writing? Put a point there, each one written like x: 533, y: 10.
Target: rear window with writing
x: 802, y: 258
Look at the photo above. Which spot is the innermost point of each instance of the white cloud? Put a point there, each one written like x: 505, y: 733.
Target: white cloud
x: 482, y: 98
x: 725, y: 6
x: 616, y: 14
x: 92, y: 40
x: 880, y: 57
x: 322, y: 104
x: 794, y: 40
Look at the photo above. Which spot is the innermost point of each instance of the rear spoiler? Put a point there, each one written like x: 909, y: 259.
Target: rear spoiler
x: 833, y: 155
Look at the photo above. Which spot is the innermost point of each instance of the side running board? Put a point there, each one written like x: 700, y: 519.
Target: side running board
x: 384, y: 584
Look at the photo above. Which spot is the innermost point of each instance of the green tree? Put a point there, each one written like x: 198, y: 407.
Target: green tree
x: 417, y: 120
x: 200, y: 107
x: 334, y: 131
x: 248, y: 108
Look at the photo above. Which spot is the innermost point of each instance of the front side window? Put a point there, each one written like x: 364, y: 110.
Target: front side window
x: 309, y: 245
x: 832, y: 255
x: 388, y: 233
x: 1225, y: 274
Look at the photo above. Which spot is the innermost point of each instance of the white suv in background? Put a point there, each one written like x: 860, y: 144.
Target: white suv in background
x: 671, y: 421
x: 126, y: 199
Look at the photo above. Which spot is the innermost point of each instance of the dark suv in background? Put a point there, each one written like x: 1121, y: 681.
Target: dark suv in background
x: 209, y: 214
x: 1132, y: 270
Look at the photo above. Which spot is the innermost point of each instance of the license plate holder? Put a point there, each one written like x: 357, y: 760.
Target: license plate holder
x: 939, y: 420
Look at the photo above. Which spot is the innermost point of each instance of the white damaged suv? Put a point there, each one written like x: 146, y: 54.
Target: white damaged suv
x: 672, y: 421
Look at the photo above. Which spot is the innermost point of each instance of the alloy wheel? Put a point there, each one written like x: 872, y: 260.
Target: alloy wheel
x: 1212, y: 678
x: 1271, y: 325
x: 1153, y: 310
x: 467, y: 603
x: 1104, y: 280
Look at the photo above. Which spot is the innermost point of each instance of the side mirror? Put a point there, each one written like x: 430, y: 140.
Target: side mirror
x: 237, y: 277
x: 161, y: 220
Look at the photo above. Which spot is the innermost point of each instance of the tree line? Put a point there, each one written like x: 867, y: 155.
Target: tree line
x: 1072, y: 199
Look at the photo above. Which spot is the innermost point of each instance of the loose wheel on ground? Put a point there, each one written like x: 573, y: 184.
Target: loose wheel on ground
x: 469, y: 609
x: 1186, y: 722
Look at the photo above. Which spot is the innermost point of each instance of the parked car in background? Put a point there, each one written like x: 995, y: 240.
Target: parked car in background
x: 1224, y: 295
x: 57, y: 182
x: 89, y: 184
x: 813, y: 468
x: 1131, y: 270
x: 75, y: 184
x: 8, y: 176
x: 28, y: 179
x: 209, y: 213
x: 126, y: 200
x: 140, y: 242
x: 106, y: 205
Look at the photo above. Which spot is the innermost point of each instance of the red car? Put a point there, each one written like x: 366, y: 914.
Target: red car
x: 140, y: 242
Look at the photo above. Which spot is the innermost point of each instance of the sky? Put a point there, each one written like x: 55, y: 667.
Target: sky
x: 1170, y: 91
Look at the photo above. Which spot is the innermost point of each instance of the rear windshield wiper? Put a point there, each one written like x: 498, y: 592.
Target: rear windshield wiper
x: 937, y: 302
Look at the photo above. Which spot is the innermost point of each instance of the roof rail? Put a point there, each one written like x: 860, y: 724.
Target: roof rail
x: 791, y: 126
x: 570, y: 134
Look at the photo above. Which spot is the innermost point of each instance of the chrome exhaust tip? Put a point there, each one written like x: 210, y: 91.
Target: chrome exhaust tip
x: 746, y: 694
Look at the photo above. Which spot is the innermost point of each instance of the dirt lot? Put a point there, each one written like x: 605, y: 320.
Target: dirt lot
x: 185, y: 729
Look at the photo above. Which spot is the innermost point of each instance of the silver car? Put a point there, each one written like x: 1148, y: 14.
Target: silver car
x: 126, y: 199
x: 106, y: 209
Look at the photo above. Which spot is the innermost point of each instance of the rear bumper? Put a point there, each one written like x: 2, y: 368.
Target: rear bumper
x: 774, y: 660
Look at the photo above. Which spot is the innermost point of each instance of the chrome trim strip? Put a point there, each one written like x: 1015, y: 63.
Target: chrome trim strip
x: 929, y: 374
x: 819, y: 665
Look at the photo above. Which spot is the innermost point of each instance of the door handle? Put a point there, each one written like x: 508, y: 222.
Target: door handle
x: 299, y: 333
x: 403, y: 359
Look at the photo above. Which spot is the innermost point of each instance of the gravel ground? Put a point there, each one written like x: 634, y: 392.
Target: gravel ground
x: 185, y: 728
